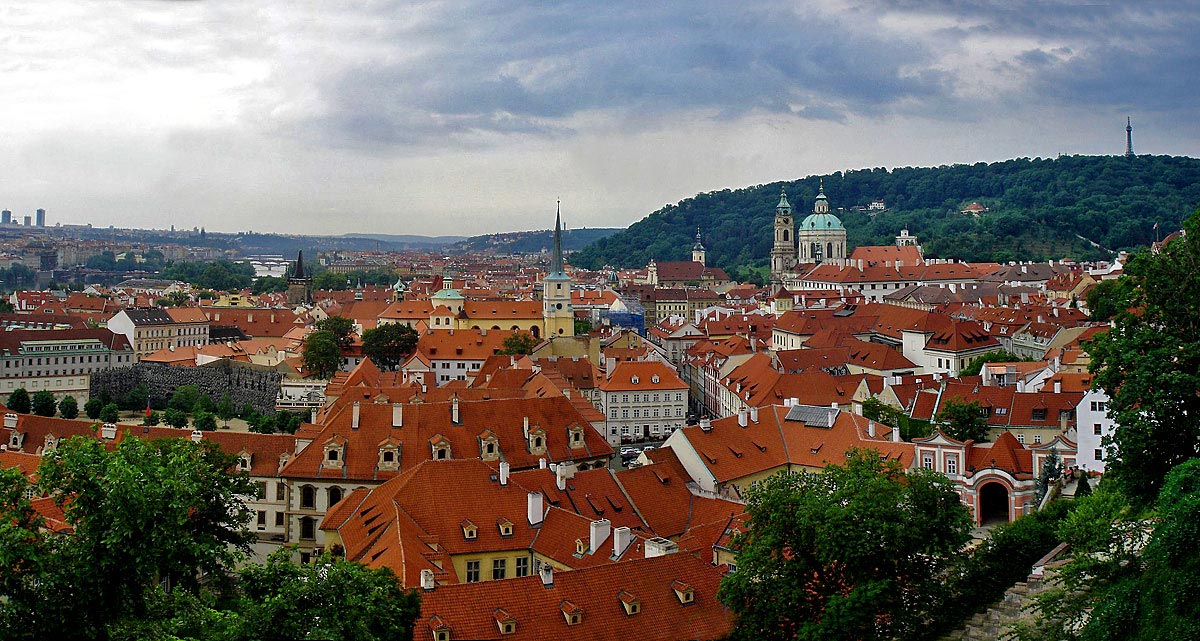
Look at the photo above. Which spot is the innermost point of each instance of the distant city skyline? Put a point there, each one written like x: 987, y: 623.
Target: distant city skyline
x: 467, y: 118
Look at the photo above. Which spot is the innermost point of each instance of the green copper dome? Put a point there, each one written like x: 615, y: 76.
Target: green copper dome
x: 817, y: 222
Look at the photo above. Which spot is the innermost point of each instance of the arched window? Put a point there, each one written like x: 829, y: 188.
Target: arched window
x: 308, y: 528
x: 308, y: 497
x: 335, y: 495
x: 829, y: 249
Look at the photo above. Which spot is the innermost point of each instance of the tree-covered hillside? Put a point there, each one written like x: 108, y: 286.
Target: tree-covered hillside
x: 1037, y: 209
x: 532, y: 242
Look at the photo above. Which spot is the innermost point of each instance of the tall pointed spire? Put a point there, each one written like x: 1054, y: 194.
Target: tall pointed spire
x: 1128, y: 137
x: 299, y: 271
x: 556, y: 257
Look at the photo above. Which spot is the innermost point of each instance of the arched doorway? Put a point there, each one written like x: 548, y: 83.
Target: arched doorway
x: 993, y: 503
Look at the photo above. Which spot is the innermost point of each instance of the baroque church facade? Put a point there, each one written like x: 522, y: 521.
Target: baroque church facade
x: 819, y: 239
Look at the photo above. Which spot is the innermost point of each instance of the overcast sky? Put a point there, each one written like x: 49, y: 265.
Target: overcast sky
x: 463, y: 117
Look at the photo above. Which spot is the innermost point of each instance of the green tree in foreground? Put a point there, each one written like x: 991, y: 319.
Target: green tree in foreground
x: 68, y: 407
x: 19, y: 401
x: 1111, y: 592
x: 141, y: 514
x: 204, y: 421
x: 389, y: 344
x: 519, y: 343
x: 110, y: 414
x: 963, y: 420
x: 43, y: 403
x: 1149, y: 365
x: 856, y: 552
x: 321, y: 354
x: 382, y: 609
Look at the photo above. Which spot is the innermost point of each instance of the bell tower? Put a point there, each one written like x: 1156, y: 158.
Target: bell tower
x: 557, y: 315
x: 698, y: 249
x: 783, y: 251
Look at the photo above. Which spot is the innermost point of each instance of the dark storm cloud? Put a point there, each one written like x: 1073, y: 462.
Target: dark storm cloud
x: 526, y: 68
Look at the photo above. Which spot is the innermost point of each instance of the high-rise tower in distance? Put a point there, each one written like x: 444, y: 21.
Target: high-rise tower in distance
x: 1128, y: 137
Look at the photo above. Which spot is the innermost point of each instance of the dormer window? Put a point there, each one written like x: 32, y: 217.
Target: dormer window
x: 504, y: 621
x: 489, y: 447
x: 470, y: 532
x: 684, y: 592
x: 537, y: 442
x: 389, y: 455
x: 572, y: 613
x: 634, y: 380
x: 575, y: 436
x: 439, y: 448
x: 632, y: 604
x: 244, y: 461
x: 439, y: 627
x: 15, y: 439
x: 581, y: 547
x: 332, y: 455
x: 654, y: 379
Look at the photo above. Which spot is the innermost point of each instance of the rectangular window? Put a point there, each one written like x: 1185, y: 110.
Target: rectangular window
x: 927, y: 460
x: 1099, y: 455
x: 499, y: 569
x: 262, y: 518
x: 1021, y: 439
x: 1039, y: 414
x: 1096, y: 429
x: 952, y: 465
x: 522, y: 568
x: 472, y: 571
x: 279, y: 519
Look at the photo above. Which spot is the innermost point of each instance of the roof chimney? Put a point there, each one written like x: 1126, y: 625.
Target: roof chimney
x: 560, y: 477
x: 753, y: 414
x: 659, y: 546
x: 871, y: 429
x: 534, y: 508
x: 354, y: 415
x: 10, y: 420
x: 600, y: 530
x: 197, y: 436
x: 1058, y: 386
x: 743, y: 416
x: 504, y: 470
x: 427, y: 582
x: 621, y: 541
x: 454, y: 417
x: 397, y: 415
x: 896, y: 434
x: 108, y: 431
x: 705, y: 425
x: 542, y: 463
x: 547, y: 575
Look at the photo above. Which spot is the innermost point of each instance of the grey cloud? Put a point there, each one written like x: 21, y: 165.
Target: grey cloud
x: 529, y: 68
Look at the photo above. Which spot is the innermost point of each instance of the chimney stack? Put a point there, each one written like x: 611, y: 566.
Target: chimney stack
x: 397, y: 415
x: 10, y: 420
x: 454, y: 417
x: 354, y: 415
x: 753, y: 414
x: 871, y: 429
x: 705, y: 425
x: 547, y: 575
x: 197, y: 436
x: 560, y: 477
x: 896, y: 434
x: 427, y: 582
x: 599, y: 533
x: 743, y: 417
x: 621, y: 540
x: 1058, y: 386
x: 504, y: 471
x: 542, y: 463
x: 659, y: 546
x: 534, y: 508
x: 108, y: 431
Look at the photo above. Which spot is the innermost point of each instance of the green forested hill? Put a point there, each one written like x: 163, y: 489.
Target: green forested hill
x: 1038, y: 208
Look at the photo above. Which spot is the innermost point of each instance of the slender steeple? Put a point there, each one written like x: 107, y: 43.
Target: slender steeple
x: 299, y: 271
x: 1128, y: 137
x: 556, y: 256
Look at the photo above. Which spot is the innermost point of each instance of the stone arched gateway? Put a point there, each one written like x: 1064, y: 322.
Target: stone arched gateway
x: 995, y: 503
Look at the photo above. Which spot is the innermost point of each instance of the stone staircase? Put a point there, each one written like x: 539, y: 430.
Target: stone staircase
x: 996, y: 623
